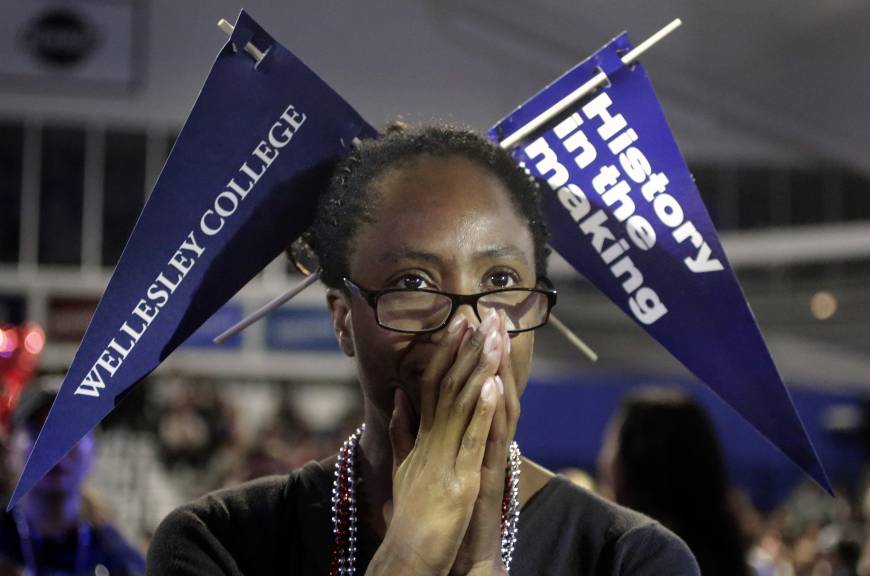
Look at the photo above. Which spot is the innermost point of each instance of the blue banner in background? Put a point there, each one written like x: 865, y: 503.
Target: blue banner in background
x: 301, y: 330
x: 624, y: 211
x: 227, y: 316
x: 240, y: 184
x: 565, y: 418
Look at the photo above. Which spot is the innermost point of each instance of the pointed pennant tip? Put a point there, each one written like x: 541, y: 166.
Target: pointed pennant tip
x: 64, y: 427
x: 803, y: 455
x: 821, y: 478
x: 788, y: 435
x: 812, y: 464
x: 21, y: 489
x: 42, y: 459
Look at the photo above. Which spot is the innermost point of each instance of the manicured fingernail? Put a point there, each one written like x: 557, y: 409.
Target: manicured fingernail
x: 489, y: 321
x: 507, y: 343
x: 489, y: 343
x: 500, y: 384
x: 456, y: 324
x: 486, y: 393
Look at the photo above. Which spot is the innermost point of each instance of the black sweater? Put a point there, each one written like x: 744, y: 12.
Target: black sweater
x: 282, y: 525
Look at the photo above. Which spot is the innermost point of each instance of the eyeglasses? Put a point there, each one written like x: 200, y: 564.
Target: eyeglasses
x: 418, y: 311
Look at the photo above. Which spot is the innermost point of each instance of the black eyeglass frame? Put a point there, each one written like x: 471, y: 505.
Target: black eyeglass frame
x: 456, y: 300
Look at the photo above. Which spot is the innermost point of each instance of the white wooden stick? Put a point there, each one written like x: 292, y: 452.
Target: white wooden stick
x: 636, y: 52
x: 255, y: 52
x: 267, y: 308
x: 573, y: 338
x: 585, y: 88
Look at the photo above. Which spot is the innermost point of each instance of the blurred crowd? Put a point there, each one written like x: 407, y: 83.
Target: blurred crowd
x: 174, y: 440
x: 199, y: 437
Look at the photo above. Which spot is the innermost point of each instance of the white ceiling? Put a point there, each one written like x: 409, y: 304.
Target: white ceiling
x: 775, y: 81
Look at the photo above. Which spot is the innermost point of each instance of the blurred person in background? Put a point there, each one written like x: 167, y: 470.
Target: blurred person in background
x: 838, y: 550
x: 196, y: 426
x: 58, y: 528
x: 768, y: 555
x: 661, y: 457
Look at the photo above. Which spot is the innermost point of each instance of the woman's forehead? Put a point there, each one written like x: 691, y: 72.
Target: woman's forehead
x: 443, y: 186
x: 443, y: 208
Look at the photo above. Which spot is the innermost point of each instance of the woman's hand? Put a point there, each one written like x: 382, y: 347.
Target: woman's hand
x: 437, y: 476
x: 480, y: 552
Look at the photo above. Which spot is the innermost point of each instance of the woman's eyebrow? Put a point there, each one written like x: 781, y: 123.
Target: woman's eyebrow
x: 504, y: 251
x: 410, y: 254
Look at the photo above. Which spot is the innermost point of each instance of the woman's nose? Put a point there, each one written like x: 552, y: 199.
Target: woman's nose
x: 467, y: 311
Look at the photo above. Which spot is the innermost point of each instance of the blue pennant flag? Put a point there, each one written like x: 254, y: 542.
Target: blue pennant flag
x: 624, y: 211
x: 240, y: 185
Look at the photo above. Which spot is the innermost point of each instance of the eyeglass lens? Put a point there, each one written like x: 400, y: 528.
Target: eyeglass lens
x: 418, y: 311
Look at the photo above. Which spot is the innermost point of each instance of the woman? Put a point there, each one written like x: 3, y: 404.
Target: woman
x: 433, y: 247
x: 661, y: 456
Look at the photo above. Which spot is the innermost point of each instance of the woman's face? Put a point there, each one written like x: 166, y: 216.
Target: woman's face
x: 441, y: 223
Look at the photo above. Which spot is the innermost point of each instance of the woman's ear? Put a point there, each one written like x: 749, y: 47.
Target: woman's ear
x: 339, y: 308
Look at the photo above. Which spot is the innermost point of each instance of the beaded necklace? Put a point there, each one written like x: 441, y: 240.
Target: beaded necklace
x: 344, y: 509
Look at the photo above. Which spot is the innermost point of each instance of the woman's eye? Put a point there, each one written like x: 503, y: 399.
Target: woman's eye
x: 411, y: 282
x: 502, y: 279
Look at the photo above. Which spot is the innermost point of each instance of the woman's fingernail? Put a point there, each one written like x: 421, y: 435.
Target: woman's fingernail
x: 456, y: 324
x: 489, y: 320
x: 486, y: 393
x: 489, y: 343
x: 500, y: 384
x: 507, y: 342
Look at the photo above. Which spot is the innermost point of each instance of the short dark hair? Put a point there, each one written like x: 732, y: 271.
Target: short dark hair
x: 348, y: 202
x: 672, y: 469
